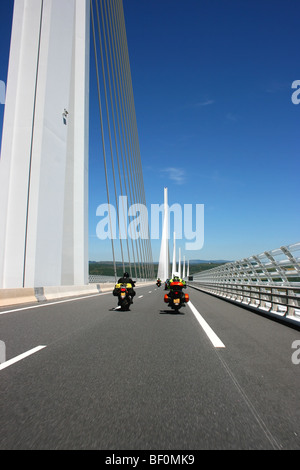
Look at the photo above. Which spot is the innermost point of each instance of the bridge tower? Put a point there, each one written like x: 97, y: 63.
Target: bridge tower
x: 174, y: 269
x: 44, y: 155
x: 164, y: 258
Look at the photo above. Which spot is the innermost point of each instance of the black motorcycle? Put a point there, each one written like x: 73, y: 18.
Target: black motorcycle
x: 123, y: 292
x: 176, y: 298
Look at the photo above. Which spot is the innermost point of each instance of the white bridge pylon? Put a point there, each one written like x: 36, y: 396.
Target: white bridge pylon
x: 44, y: 155
x: 164, y: 258
x: 164, y: 271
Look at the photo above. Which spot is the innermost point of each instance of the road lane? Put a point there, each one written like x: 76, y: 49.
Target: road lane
x: 144, y: 379
x: 258, y: 356
x: 208, y: 330
x: 21, y: 327
x: 12, y: 361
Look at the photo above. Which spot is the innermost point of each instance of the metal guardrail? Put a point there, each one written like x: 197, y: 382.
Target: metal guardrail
x: 269, y: 282
x: 94, y: 279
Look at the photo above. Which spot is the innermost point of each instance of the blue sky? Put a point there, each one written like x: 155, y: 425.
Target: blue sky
x: 212, y: 85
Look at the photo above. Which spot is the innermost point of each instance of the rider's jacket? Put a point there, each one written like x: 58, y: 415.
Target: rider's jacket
x: 176, y: 280
x: 126, y: 280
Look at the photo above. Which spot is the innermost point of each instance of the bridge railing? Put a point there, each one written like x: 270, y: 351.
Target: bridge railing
x: 94, y: 279
x: 269, y: 282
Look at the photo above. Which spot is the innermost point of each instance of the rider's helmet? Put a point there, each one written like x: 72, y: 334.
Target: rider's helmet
x: 125, y: 275
x: 176, y: 276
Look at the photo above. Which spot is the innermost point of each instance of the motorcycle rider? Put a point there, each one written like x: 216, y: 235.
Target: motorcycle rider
x: 127, y: 280
x: 176, y: 278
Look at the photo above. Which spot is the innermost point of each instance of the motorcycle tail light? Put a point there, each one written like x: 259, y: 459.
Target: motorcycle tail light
x: 166, y: 298
x: 186, y: 297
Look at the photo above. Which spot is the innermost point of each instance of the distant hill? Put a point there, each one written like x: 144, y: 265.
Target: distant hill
x: 106, y: 268
x: 204, y: 265
x: 212, y: 261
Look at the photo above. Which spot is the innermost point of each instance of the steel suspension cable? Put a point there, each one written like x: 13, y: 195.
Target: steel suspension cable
x: 107, y: 112
x: 130, y: 169
x: 102, y: 135
x: 135, y: 176
x: 123, y: 137
x: 121, y: 128
x: 113, y: 99
x: 120, y: 117
x: 134, y: 133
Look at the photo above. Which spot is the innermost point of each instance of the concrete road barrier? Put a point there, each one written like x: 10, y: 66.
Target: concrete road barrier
x: 41, y: 294
x: 16, y: 296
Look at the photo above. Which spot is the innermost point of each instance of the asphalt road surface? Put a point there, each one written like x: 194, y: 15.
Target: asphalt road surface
x: 79, y: 374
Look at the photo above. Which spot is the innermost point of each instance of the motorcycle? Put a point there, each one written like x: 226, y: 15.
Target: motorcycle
x: 123, y: 292
x: 158, y: 283
x: 176, y: 298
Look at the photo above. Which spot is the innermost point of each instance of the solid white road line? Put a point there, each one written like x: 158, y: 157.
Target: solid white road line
x: 20, y: 357
x: 47, y: 304
x: 210, y: 333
